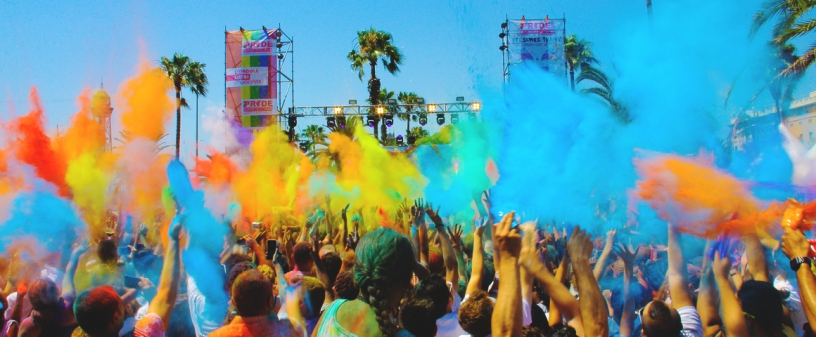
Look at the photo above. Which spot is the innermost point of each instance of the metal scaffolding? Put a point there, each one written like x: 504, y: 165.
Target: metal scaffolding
x: 371, y: 110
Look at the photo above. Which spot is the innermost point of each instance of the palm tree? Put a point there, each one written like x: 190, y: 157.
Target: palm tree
x: 383, y: 97
x: 419, y: 133
x: 604, y: 90
x: 794, y: 19
x: 199, y: 87
x: 180, y: 70
x: 409, y: 99
x: 371, y: 47
x: 315, y: 134
x: 578, y: 53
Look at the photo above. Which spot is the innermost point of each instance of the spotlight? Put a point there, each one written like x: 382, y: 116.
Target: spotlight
x: 472, y: 116
x: 440, y: 119
x: 380, y: 110
x: 399, y: 140
x: 304, y: 146
x: 330, y: 122
x: 423, y: 119
x: 338, y: 110
x: 502, y: 35
x: 411, y: 139
x: 280, y: 56
x: 389, y: 120
x: 503, y: 47
x: 392, y: 101
x: 341, y: 120
x: 432, y: 108
x: 460, y: 98
x: 454, y: 118
x: 476, y: 106
x: 504, y: 25
x: 371, y: 120
x: 279, y: 45
x: 279, y: 33
x: 352, y: 102
x: 292, y: 121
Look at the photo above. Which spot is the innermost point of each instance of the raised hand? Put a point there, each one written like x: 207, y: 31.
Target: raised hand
x: 579, y: 245
x: 610, y: 237
x: 794, y: 243
x: 81, y: 248
x: 344, y: 212
x: 456, y: 234
x: 479, y: 225
x: 354, y: 238
x: 506, y: 239
x: 626, y: 254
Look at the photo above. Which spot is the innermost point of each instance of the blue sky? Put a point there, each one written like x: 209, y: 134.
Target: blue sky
x: 450, y: 48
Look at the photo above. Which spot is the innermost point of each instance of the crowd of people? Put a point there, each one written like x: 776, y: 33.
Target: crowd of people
x: 421, y: 276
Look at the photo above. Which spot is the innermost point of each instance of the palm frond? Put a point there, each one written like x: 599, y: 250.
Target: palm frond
x: 798, y: 29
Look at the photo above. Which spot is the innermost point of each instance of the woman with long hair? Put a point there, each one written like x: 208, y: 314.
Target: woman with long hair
x: 382, y: 270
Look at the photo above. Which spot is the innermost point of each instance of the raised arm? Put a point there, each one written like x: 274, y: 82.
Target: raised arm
x: 794, y: 244
x: 321, y: 270
x: 733, y: 319
x: 162, y: 305
x: 593, y: 309
x: 507, y: 316
x: 757, y: 264
x: 677, y: 273
x: 456, y: 241
x: 559, y: 294
x: 452, y: 271
x: 628, y: 316
x: 477, y: 268
x: 707, y: 304
x: 599, y: 265
x: 68, y: 291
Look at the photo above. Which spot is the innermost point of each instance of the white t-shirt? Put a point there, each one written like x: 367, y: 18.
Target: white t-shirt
x: 692, y: 325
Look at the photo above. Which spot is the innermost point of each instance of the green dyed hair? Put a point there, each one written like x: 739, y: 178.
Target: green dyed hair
x: 384, y: 259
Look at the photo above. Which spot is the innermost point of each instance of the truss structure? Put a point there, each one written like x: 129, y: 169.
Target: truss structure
x: 372, y: 110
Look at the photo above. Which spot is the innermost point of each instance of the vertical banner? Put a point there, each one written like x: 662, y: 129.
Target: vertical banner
x: 540, y: 42
x: 251, y: 77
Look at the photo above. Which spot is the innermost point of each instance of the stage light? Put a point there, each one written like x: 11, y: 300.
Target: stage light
x: 503, y: 47
x: 502, y: 35
x: 476, y: 106
x: 504, y: 25
x: 279, y: 45
x: 460, y: 98
x: 399, y: 140
x: 352, y: 102
x: 411, y: 139
x: 292, y: 121
x: 389, y: 120
x: 304, y: 146
x: 472, y: 116
x: 432, y: 108
x: 341, y: 120
x: 423, y: 119
x: 380, y: 110
x: 330, y: 122
x: 338, y: 110
x: 280, y: 56
x: 371, y: 120
x: 440, y: 119
x: 454, y: 118
x: 279, y: 33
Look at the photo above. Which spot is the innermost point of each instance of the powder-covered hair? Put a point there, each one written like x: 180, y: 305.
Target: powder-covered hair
x: 384, y: 260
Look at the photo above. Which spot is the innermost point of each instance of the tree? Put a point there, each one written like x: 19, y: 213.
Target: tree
x: 373, y: 46
x: 199, y: 87
x: 605, y: 91
x: 409, y: 99
x: 578, y: 54
x: 418, y: 133
x: 383, y: 97
x: 794, y: 19
x: 182, y: 73
x: 314, y: 134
